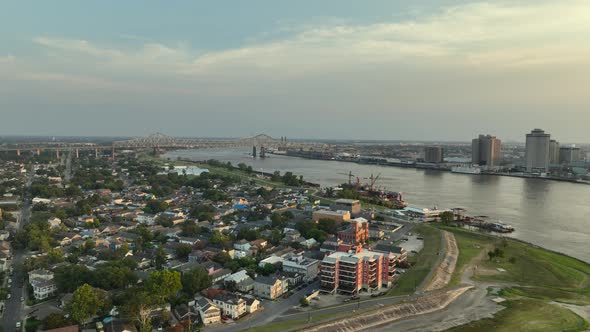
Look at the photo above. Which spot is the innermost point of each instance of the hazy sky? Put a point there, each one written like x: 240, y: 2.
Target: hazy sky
x: 382, y: 69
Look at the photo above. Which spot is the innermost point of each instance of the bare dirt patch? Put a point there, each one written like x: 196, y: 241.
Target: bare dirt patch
x: 444, y: 272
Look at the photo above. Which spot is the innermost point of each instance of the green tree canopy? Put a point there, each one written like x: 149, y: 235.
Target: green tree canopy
x: 86, y: 302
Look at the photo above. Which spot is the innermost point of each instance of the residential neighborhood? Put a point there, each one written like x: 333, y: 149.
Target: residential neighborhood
x: 153, y: 245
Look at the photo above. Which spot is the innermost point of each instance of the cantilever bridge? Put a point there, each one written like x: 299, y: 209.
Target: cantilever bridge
x: 163, y: 141
x: 160, y: 141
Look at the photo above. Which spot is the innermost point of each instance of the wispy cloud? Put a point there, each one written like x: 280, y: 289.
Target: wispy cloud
x: 486, y: 34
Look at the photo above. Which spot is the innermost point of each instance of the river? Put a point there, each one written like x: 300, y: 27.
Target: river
x: 551, y: 214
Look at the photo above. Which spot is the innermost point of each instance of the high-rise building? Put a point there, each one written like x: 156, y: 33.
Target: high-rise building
x: 537, y: 151
x: 433, y: 154
x: 486, y: 150
x: 569, y: 154
x: 553, y: 152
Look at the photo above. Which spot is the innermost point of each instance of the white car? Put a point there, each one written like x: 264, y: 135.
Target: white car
x: 18, y: 325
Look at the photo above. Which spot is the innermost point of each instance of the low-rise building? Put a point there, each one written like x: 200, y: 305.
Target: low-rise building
x: 351, y: 205
x: 338, y: 215
x: 208, y: 311
x: 231, y: 305
x: 269, y: 287
x: 308, y: 267
x: 357, y: 232
x: 252, y: 305
x: 244, y: 283
x: 43, y: 284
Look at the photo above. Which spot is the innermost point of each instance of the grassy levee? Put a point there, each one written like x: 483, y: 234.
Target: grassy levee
x: 533, y: 277
x: 528, y: 315
x: 422, y: 262
x: 534, y: 270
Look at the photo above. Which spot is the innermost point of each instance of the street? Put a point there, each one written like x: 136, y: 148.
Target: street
x: 13, y: 309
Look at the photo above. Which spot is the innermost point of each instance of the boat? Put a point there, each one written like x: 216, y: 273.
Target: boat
x: 466, y: 170
x: 500, y: 227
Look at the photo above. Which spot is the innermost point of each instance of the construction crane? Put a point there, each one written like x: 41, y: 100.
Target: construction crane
x: 350, y: 176
x: 373, y: 179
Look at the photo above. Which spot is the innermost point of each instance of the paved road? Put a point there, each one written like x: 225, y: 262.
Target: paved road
x: 13, y: 309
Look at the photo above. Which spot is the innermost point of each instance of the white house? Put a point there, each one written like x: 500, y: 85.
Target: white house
x: 43, y: 284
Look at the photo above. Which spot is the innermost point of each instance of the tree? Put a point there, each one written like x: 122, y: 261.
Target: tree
x: 139, y: 308
x: 190, y: 228
x: 267, y: 269
x: 222, y: 257
x: 327, y: 225
x: 491, y: 255
x: 498, y: 252
x: 329, y: 192
x: 55, y: 321
x: 155, y: 206
x: 231, y: 286
x: 163, y: 284
x: 160, y: 258
x: 183, y: 250
x: 447, y: 217
x: 195, y: 280
x: 277, y: 220
x: 85, y: 303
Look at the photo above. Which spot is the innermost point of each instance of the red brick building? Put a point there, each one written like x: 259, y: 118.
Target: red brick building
x: 356, y: 233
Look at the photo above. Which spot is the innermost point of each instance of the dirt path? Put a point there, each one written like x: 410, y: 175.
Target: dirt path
x: 580, y: 310
x: 444, y: 272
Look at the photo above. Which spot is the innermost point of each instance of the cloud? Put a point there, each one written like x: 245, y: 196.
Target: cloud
x: 479, y: 34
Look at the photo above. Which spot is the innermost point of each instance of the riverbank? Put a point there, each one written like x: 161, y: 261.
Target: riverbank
x: 439, y: 167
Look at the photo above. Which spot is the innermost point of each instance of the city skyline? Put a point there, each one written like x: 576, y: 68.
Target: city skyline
x: 389, y: 71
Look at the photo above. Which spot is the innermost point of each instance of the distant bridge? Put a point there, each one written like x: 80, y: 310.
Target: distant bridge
x: 160, y: 141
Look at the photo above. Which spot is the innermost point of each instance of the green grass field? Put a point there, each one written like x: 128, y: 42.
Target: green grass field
x: 528, y: 315
x: 539, y: 277
x: 422, y: 262
x: 536, y: 270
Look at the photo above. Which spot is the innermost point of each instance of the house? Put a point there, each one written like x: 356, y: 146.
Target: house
x: 211, y: 267
x: 220, y: 275
x: 54, y: 222
x: 260, y: 243
x: 307, y: 243
x: 38, y: 200
x: 186, y: 313
x: 231, y: 305
x: 146, y: 218
x: 244, y: 283
x: 43, y: 284
x: 188, y: 240
x: 208, y: 311
x: 252, y: 305
x: 269, y: 287
x: 242, y: 245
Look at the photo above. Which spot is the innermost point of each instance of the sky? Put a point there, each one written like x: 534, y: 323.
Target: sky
x: 371, y: 69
